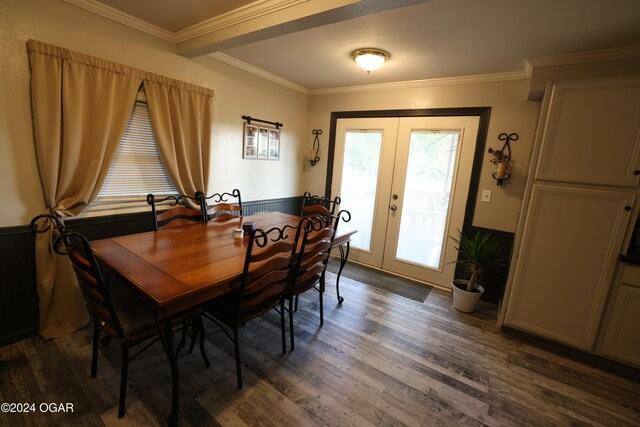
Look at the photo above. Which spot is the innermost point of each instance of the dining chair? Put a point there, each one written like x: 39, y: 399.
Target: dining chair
x: 218, y: 206
x: 122, y: 316
x: 178, y: 214
x: 261, y: 288
x: 310, y: 264
x: 316, y: 205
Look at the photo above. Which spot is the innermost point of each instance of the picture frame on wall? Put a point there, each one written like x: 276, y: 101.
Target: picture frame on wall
x: 263, y: 143
x: 250, y: 146
x: 274, y: 144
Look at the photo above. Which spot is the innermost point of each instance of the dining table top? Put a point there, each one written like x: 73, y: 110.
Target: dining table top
x: 181, y: 267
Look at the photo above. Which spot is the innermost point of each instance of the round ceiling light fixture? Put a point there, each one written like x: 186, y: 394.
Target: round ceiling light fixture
x: 370, y: 59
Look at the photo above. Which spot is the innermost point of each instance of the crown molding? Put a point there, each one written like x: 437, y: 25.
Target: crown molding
x: 238, y: 16
x: 262, y: 8
x: 582, y: 57
x: 128, y: 20
x: 410, y: 84
x: 448, y: 81
x: 218, y: 56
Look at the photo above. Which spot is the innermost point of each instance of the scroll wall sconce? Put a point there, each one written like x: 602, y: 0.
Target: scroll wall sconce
x: 502, y: 157
x: 315, y: 148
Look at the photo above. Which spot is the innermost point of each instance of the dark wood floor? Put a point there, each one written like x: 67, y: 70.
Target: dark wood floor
x: 379, y: 359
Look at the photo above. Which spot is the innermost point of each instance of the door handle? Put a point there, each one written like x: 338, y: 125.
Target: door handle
x: 393, y: 208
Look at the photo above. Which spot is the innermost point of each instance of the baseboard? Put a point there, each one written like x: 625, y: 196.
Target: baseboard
x: 576, y: 355
x: 18, y: 336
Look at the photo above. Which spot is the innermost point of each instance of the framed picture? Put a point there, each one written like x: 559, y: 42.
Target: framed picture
x: 250, y: 147
x: 263, y: 143
x: 274, y: 144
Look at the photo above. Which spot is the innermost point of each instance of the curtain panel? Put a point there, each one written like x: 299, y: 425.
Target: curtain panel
x: 81, y: 105
x: 182, y: 136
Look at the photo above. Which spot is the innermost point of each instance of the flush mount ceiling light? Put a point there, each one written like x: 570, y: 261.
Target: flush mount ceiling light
x: 369, y: 59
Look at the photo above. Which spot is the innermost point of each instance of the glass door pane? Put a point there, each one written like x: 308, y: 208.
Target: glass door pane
x: 360, y: 182
x: 427, y: 197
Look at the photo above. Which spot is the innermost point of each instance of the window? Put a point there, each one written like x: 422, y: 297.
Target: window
x: 136, y: 169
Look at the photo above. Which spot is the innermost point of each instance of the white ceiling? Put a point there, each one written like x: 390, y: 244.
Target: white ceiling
x: 175, y: 15
x: 428, y: 40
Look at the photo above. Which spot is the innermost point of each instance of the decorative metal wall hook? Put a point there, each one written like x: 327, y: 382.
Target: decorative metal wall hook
x: 502, y: 157
x: 315, y: 148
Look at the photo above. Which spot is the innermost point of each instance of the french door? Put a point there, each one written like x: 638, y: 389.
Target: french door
x: 405, y: 182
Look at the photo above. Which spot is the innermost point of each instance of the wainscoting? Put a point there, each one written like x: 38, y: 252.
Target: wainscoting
x: 18, y: 295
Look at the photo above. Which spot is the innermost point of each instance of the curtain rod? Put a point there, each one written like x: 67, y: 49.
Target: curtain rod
x: 278, y: 125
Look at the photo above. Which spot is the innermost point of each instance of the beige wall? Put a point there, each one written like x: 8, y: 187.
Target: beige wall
x: 237, y: 93
x: 511, y: 112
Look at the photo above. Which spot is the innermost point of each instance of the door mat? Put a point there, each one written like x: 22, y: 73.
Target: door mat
x: 379, y: 279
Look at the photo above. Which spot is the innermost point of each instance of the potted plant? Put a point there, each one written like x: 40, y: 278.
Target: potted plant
x: 476, y: 254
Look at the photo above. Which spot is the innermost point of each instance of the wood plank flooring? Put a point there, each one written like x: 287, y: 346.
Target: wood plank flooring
x: 379, y: 360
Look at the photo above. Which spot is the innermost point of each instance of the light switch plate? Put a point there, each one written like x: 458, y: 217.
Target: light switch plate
x: 486, y: 196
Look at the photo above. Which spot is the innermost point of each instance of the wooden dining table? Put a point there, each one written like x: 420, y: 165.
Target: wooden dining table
x: 175, y: 269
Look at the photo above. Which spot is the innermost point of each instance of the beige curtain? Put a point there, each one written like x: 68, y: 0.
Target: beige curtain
x: 80, y: 106
x: 181, y: 119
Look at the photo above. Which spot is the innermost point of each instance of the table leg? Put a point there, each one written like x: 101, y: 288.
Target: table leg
x: 343, y: 260
x: 168, y: 336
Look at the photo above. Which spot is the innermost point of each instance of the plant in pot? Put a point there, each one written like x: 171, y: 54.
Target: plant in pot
x: 476, y: 254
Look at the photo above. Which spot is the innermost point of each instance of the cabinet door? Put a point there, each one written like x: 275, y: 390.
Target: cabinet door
x: 565, y: 265
x: 622, y: 335
x: 592, y: 133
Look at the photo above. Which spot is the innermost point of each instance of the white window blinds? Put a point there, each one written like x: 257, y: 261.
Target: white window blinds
x: 136, y: 169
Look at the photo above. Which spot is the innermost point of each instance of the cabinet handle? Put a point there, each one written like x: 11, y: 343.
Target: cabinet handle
x: 627, y: 208
x: 636, y: 172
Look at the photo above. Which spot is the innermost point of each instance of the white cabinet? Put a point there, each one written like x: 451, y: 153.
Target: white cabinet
x: 577, y: 210
x: 621, y: 338
x: 591, y: 133
x: 567, y: 261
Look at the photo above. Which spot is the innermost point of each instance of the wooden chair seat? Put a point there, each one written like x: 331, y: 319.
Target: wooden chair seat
x: 132, y: 312
x: 137, y: 320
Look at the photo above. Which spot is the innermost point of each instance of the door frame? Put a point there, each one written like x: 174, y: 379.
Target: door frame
x: 484, y: 113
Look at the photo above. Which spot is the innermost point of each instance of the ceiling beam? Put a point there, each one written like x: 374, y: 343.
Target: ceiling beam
x: 272, y: 18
